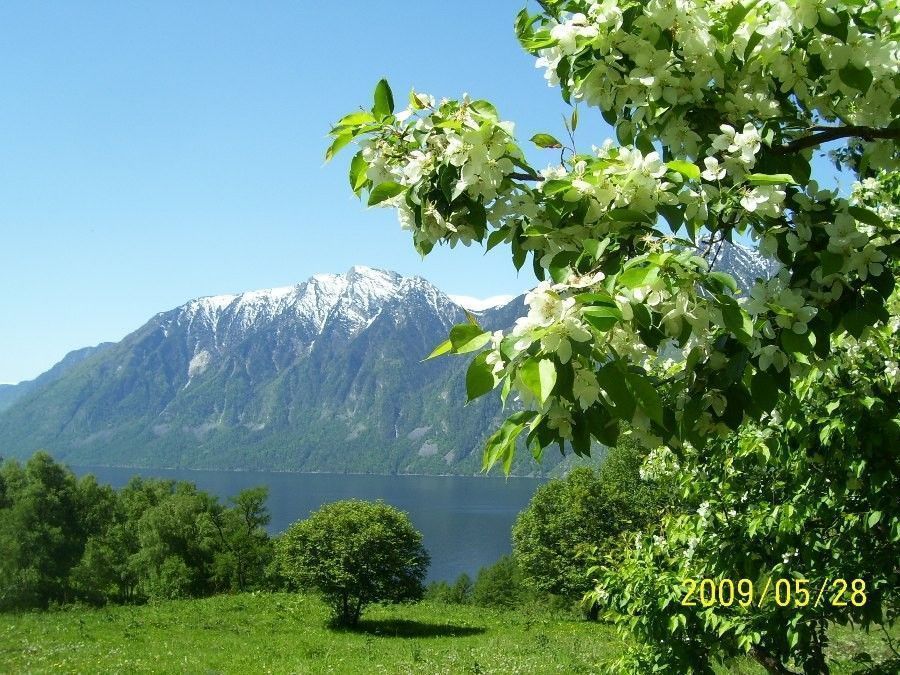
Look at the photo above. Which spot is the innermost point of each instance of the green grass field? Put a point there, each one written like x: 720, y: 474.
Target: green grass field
x: 286, y: 633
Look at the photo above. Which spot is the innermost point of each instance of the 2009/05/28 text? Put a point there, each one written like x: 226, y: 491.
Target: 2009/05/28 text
x: 784, y: 592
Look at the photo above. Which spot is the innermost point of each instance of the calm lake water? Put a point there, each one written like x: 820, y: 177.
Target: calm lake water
x: 465, y: 521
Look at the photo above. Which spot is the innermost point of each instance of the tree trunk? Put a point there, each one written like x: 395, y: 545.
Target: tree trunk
x: 817, y: 664
x: 770, y: 662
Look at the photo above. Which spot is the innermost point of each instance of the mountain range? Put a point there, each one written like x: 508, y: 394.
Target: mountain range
x: 326, y: 375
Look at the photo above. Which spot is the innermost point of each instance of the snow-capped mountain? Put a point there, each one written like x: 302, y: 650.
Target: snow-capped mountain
x: 326, y: 375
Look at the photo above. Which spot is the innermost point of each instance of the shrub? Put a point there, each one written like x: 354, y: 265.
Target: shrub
x: 355, y: 553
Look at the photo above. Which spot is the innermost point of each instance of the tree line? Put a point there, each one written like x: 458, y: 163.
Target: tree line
x: 65, y: 539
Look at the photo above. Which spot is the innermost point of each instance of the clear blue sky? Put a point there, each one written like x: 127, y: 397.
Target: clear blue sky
x: 153, y: 152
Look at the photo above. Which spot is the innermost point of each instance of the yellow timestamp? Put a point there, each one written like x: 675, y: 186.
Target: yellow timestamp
x: 783, y: 592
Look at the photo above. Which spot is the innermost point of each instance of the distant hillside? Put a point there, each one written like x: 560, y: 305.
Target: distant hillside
x: 326, y: 375
x: 10, y: 393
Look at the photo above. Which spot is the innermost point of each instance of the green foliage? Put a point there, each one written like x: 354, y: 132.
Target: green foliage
x: 355, y: 553
x: 241, y: 532
x: 620, y: 294
x: 41, y: 533
x: 65, y: 540
x: 810, y: 496
x: 581, y: 514
x: 459, y: 593
x: 501, y: 585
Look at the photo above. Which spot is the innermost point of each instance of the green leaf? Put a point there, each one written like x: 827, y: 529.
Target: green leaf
x: 873, y: 518
x: 479, y: 377
x: 539, y: 377
x: 736, y: 15
x: 866, y: 216
x: 674, y: 215
x: 832, y: 263
x: 444, y: 348
x: 602, y: 317
x: 554, y: 186
x: 358, y: 169
x: 573, y: 120
x: 764, y: 389
x: 857, y: 320
x: 794, y: 343
x: 384, y: 99
x: 736, y: 319
x: 612, y: 382
x: 596, y: 248
x: 339, y: 142
x: 502, y: 444
x: 496, y: 237
x: 838, y: 29
x: 646, y: 395
x: 545, y: 141
x: 686, y: 169
x: 485, y: 109
x: 385, y: 191
x: 636, y: 276
x: 467, y: 337
x: 754, y: 40
x: 356, y: 119
x: 858, y: 78
x: 771, y: 179
x: 725, y: 280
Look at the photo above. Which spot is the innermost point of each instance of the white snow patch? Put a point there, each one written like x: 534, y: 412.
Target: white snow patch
x: 479, y: 304
x: 199, y: 363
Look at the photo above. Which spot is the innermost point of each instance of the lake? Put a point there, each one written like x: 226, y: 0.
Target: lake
x: 465, y: 521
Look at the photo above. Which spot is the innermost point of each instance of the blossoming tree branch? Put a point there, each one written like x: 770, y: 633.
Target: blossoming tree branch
x: 717, y: 108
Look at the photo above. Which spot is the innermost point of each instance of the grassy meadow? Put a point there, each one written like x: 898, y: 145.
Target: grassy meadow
x: 288, y: 633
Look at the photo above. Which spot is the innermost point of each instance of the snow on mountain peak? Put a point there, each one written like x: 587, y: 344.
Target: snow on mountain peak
x: 350, y: 301
x: 480, y: 304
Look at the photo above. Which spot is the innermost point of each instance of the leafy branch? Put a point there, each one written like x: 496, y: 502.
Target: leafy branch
x: 826, y: 134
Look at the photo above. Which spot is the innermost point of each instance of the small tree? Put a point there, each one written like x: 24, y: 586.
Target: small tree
x: 245, y: 544
x: 355, y: 553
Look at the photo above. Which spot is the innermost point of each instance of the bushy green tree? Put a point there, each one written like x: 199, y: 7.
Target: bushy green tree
x: 41, y: 535
x: 178, y: 544
x: 355, y: 553
x: 587, y: 511
x: 461, y: 590
x: 808, y: 499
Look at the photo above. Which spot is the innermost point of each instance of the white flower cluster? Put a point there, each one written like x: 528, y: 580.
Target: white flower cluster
x: 672, y: 58
x: 869, y: 191
x: 432, y: 139
x: 660, y: 463
x: 738, y: 150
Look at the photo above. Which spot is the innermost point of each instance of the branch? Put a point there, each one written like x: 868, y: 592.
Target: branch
x: 826, y: 134
x: 525, y: 176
